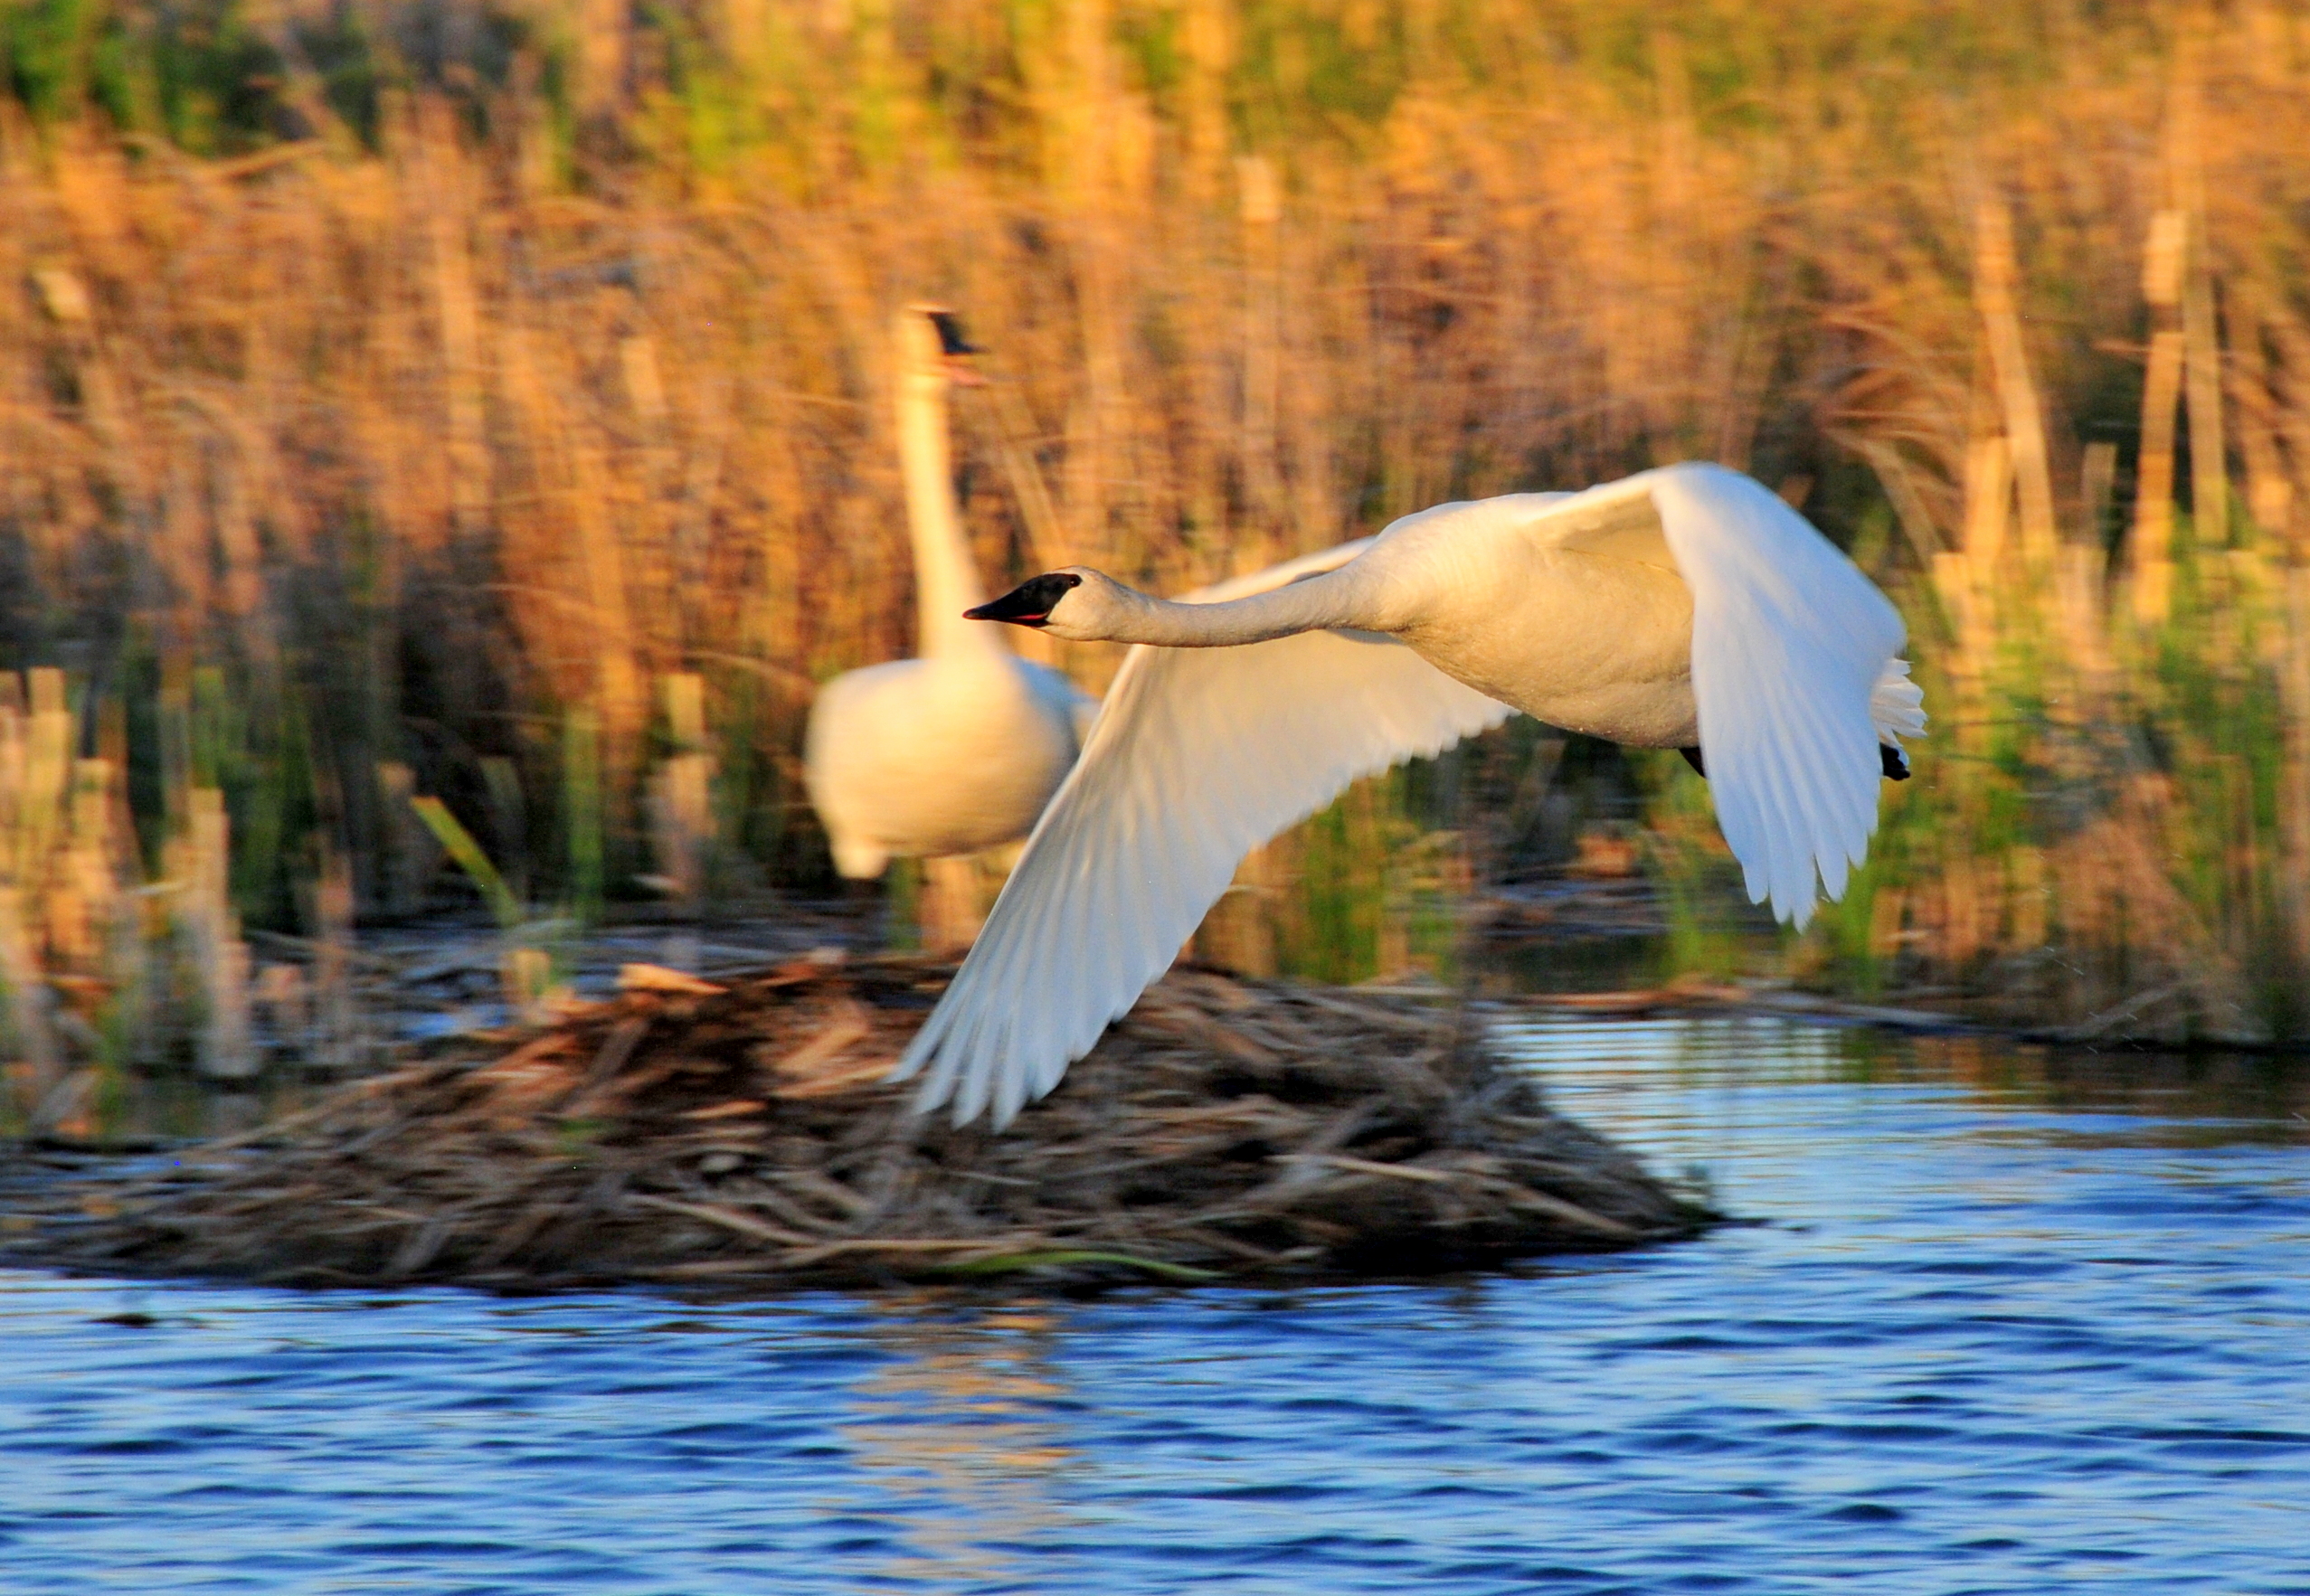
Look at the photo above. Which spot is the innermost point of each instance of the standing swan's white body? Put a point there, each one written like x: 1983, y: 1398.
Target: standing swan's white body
x: 960, y: 749
x: 1684, y: 608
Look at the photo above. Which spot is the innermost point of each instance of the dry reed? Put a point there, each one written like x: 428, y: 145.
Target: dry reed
x: 100, y: 966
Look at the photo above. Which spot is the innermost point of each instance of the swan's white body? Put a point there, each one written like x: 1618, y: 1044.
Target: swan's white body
x: 1683, y: 606
x: 958, y: 750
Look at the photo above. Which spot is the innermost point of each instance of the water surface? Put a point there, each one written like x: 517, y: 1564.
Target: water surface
x: 2012, y: 1323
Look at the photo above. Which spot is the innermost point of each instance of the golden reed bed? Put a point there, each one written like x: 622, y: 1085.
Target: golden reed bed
x: 519, y: 436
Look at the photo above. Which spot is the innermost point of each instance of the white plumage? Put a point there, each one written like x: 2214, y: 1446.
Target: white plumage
x: 958, y: 750
x: 1686, y: 607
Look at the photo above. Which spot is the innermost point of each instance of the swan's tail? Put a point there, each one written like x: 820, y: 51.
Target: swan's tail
x: 1896, y: 704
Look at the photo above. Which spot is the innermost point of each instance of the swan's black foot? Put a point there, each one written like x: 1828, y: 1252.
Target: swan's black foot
x: 1896, y: 763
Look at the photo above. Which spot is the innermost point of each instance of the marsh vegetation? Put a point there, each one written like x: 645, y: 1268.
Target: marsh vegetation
x: 487, y: 403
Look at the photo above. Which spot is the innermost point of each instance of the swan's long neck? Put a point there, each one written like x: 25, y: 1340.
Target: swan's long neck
x: 946, y: 583
x: 1318, y: 603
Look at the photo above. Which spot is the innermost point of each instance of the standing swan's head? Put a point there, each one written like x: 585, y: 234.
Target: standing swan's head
x: 1078, y: 604
x: 933, y: 354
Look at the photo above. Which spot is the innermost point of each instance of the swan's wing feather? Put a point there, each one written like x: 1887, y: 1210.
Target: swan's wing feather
x: 1790, y: 642
x: 1199, y: 755
x: 1269, y: 578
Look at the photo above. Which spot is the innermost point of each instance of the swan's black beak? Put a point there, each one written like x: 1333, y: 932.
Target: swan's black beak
x: 958, y: 349
x: 1030, y: 603
x: 951, y: 341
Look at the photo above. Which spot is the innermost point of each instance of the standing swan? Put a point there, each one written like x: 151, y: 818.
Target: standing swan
x: 1684, y: 608
x: 960, y: 749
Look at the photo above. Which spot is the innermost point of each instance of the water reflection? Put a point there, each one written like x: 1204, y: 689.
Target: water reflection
x: 2182, y: 1098
x: 955, y: 1440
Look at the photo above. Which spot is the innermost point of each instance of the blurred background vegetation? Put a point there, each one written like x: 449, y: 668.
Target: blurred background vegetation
x: 488, y: 403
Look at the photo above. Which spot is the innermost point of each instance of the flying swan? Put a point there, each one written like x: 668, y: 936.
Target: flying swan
x: 1684, y: 608
x: 960, y: 749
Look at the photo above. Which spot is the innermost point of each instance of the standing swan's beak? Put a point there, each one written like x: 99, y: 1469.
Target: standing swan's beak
x: 957, y: 349
x: 952, y: 340
x: 1030, y: 603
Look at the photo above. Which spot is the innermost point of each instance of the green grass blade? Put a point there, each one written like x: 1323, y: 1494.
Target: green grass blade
x: 470, y: 859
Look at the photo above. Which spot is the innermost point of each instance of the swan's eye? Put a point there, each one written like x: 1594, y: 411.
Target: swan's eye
x: 1030, y: 603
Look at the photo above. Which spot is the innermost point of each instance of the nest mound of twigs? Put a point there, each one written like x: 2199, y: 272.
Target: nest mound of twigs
x: 742, y: 1135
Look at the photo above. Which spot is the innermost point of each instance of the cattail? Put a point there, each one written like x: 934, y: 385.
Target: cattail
x: 220, y: 959
x: 681, y: 799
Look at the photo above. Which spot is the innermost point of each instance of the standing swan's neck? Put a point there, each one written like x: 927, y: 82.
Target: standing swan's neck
x: 946, y: 583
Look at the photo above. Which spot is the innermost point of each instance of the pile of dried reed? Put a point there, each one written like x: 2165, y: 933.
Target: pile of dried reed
x: 741, y: 1135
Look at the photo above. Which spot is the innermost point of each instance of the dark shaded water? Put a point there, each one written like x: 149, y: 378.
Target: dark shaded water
x: 2015, y: 1325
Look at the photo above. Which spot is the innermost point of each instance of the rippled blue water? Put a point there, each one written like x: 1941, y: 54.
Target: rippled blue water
x: 2014, y: 1325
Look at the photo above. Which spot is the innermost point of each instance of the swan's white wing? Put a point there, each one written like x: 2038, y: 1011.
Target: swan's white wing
x: 1789, y: 642
x: 1268, y: 579
x: 1198, y: 756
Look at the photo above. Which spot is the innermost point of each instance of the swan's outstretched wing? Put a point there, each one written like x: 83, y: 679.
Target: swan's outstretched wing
x: 1198, y: 756
x: 1789, y: 643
